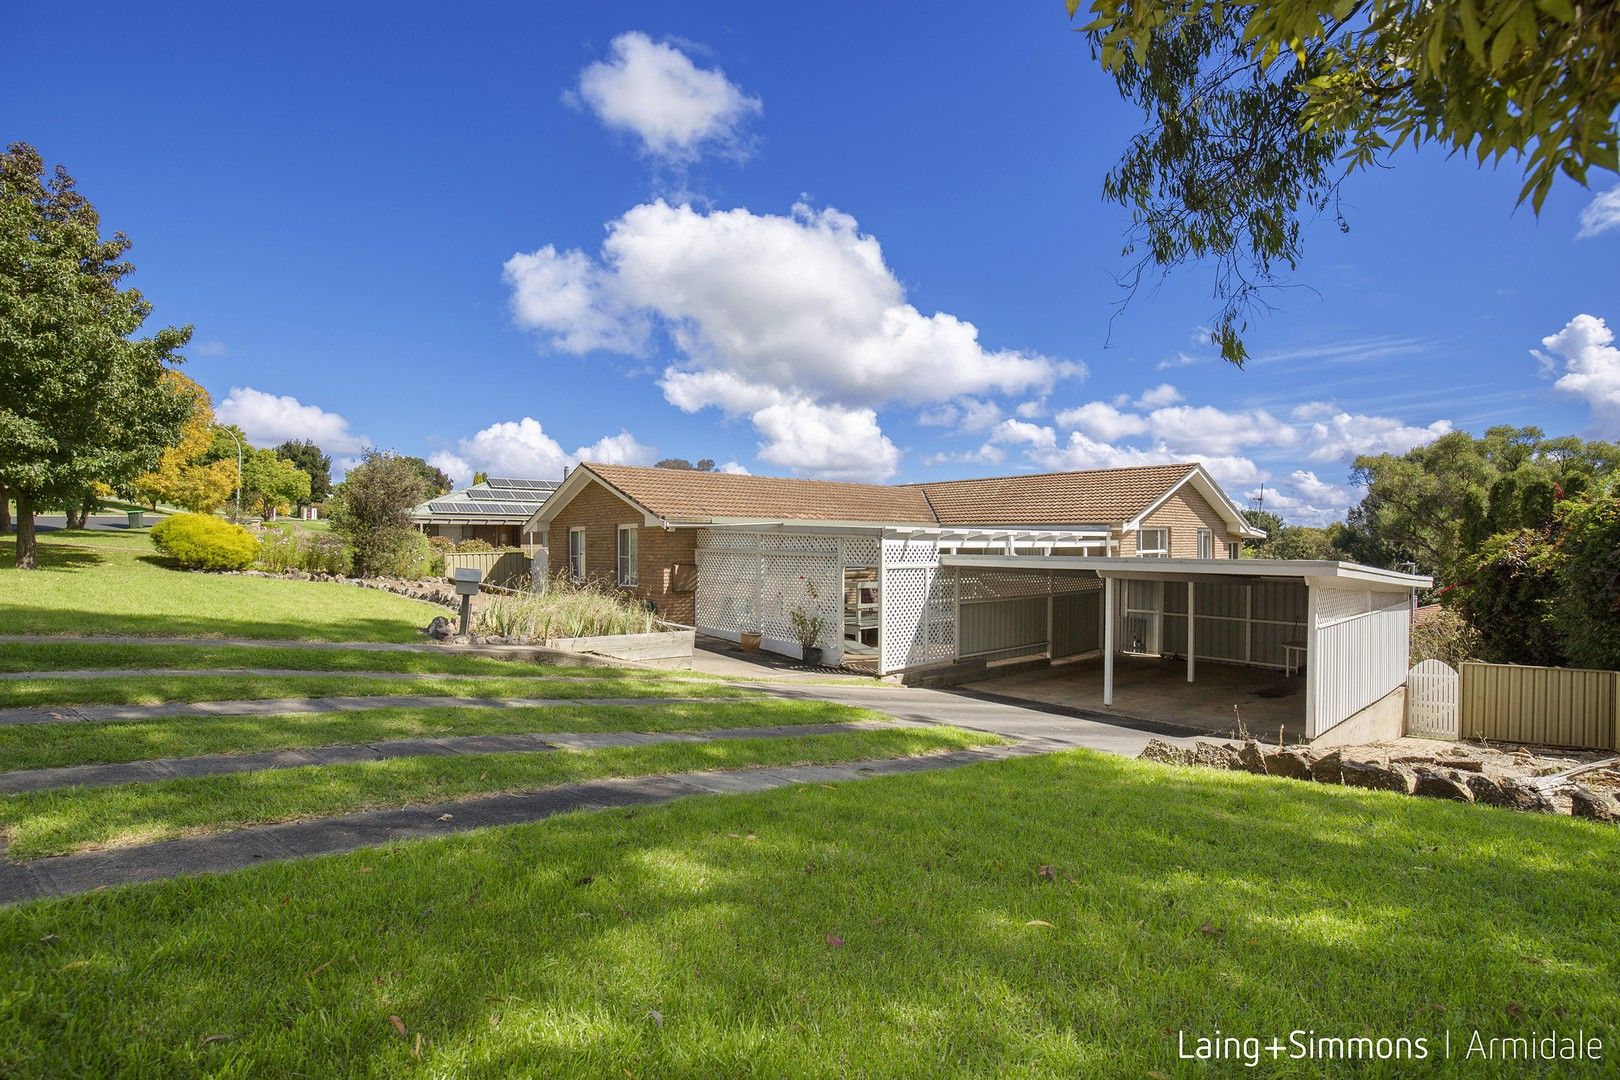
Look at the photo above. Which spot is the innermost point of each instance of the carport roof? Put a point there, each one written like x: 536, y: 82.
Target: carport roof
x: 1179, y: 569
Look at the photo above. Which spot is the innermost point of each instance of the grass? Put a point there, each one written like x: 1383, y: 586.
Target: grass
x: 153, y: 689
x: 115, y: 583
x: 36, y: 746
x: 79, y: 656
x: 896, y: 926
x: 62, y: 820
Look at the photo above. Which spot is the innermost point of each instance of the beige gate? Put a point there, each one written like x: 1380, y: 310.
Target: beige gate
x: 1431, y: 700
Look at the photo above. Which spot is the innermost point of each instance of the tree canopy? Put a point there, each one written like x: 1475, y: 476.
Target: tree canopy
x: 82, y: 400
x: 308, y: 457
x: 185, y: 476
x: 271, y: 484
x: 369, y: 508
x: 1255, y: 114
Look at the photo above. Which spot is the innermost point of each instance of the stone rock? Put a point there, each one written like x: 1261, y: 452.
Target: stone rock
x: 1327, y: 768
x: 1294, y: 763
x: 1214, y: 755
x: 439, y: 628
x: 1375, y: 777
x: 1524, y: 797
x: 1485, y: 789
x: 1441, y: 784
x: 1251, y: 758
x: 1159, y: 750
x: 1593, y: 805
x: 494, y: 639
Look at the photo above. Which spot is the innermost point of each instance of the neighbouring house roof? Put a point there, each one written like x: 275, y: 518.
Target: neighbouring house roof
x: 1100, y: 498
x: 498, y: 500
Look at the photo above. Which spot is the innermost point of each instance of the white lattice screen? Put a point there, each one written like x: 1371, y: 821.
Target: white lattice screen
x: 919, y: 606
x: 755, y: 581
x: 1337, y: 605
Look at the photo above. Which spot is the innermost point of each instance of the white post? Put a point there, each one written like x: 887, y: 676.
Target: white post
x: 1190, y: 623
x: 1108, y: 641
x: 1312, y: 661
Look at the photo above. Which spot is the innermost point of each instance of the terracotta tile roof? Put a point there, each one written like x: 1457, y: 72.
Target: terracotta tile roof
x: 684, y: 495
x: 1093, y: 497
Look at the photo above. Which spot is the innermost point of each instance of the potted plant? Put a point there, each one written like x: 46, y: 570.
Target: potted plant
x: 749, y: 640
x: 808, y: 625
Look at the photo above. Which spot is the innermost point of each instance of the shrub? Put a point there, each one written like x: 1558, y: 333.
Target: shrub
x: 1443, y: 635
x: 475, y: 545
x: 320, y: 554
x: 205, y: 542
x: 406, y: 555
x: 563, y: 610
x: 370, y: 512
x: 442, y: 544
x: 279, y: 551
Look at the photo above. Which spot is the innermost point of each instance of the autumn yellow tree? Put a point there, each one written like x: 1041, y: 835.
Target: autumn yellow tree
x: 181, y: 478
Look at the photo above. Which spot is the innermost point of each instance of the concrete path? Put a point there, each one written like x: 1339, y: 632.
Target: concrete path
x: 100, y: 714
x: 329, y: 673
x: 503, y: 652
x: 157, y: 769
x: 69, y: 874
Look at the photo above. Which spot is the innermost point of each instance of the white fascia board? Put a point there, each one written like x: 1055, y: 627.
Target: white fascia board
x: 1199, y: 477
x: 1314, y: 571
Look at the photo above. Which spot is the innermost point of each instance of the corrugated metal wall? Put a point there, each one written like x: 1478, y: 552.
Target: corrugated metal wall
x: 1238, y: 621
x: 1076, y: 623
x: 1575, y: 707
x: 1004, y: 627
x: 1355, y: 661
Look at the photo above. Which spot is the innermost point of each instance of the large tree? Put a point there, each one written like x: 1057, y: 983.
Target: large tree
x: 308, y: 457
x: 369, y: 508
x: 183, y: 476
x: 1255, y: 114
x: 271, y: 484
x: 435, y: 481
x: 82, y: 399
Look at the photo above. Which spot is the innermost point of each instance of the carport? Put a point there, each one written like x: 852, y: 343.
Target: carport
x: 1176, y: 639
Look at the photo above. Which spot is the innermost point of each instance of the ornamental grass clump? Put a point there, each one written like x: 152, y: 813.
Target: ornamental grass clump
x: 565, y: 610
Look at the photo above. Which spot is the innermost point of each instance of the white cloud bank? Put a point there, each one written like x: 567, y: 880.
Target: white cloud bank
x: 676, y: 109
x: 1591, y: 367
x: 794, y: 321
x: 1601, y: 214
x: 522, y: 448
x: 271, y: 419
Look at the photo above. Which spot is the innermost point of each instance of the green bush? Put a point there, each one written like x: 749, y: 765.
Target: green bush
x: 279, y: 551
x: 442, y: 544
x: 324, y: 554
x: 205, y: 542
x: 405, y: 555
x: 565, y: 609
x: 475, y: 545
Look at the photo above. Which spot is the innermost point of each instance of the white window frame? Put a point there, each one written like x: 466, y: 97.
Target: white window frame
x: 628, y: 554
x: 576, y: 553
x: 1158, y: 551
x: 1234, y: 549
x: 1206, y: 543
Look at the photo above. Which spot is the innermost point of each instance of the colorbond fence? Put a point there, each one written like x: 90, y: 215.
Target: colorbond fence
x: 1574, y: 707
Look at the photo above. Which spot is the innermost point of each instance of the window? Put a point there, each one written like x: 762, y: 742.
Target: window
x: 629, y: 537
x: 1153, y: 544
x: 1234, y: 550
x: 576, y: 553
x: 1206, y: 544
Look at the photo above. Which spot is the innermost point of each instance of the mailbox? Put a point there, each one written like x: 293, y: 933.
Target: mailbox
x: 466, y: 579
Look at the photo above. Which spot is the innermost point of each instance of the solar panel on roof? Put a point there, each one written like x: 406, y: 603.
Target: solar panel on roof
x: 508, y: 483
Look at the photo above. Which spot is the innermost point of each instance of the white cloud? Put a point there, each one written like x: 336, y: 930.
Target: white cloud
x: 522, y: 448
x: 734, y: 468
x: 209, y: 348
x: 1601, y: 214
x: 1311, y: 410
x: 269, y: 419
x: 1591, y: 365
x: 830, y: 442
x: 1022, y: 431
x: 1029, y: 410
x: 1083, y: 452
x: 773, y: 314
x: 1179, y: 360
x: 1304, y: 498
x: 1208, y: 430
x: 1158, y: 397
x: 676, y: 109
x: 1344, y: 436
x: 1100, y: 420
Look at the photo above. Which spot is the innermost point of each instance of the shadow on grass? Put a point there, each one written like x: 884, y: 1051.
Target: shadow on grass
x: 50, y: 557
x: 894, y: 926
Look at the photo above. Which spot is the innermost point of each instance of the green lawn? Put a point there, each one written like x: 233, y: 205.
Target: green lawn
x: 116, y: 583
x: 78, y: 656
x: 897, y: 926
x: 61, y: 820
x: 41, y: 746
x: 152, y: 689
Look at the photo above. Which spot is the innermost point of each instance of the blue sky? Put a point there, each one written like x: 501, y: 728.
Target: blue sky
x: 865, y: 243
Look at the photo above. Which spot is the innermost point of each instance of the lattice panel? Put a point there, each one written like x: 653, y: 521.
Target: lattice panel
x: 1337, y: 605
x: 918, y: 621
x: 1388, y: 601
x: 727, y: 589
x: 784, y: 587
x: 910, y: 553
x: 860, y: 551
x: 819, y: 545
x: 719, y: 540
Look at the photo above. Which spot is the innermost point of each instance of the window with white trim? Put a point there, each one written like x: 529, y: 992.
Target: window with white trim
x: 1206, y: 544
x: 1234, y: 549
x: 576, y: 553
x: 1153, y: 543
x: 629, y: 542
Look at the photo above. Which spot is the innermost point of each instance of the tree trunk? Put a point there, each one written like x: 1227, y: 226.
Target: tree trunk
x: 25, y: 532
x: 91, y: 504
x: 5, y: 511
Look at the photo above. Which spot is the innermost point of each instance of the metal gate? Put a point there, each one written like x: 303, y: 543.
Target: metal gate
x: 1431, y: 700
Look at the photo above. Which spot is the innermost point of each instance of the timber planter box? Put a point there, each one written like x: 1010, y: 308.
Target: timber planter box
x: 667, y: 648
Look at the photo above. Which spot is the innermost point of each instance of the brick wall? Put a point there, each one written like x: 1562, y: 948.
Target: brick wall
x: 1184, y: 514
x: 600, y: 513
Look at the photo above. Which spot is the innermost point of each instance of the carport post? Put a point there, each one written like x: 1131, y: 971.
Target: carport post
x: 1190, y: 622
x: 1108, y: 641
